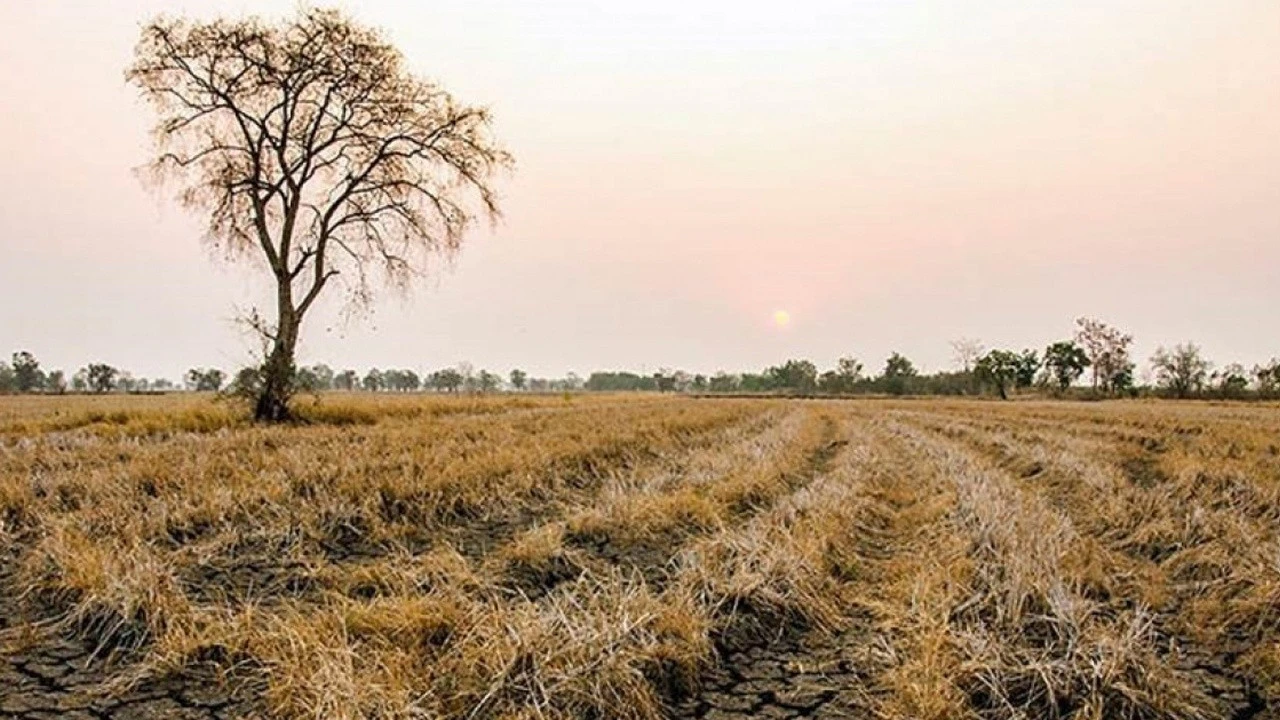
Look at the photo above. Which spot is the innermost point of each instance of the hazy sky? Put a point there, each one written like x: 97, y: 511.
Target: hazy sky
x: 892, y: 174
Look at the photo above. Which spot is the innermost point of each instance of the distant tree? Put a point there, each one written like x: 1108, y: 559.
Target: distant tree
x: 80, y: 381
x: 897, y: 375
x: 126, y: 382
x: 843, y: 379
x: 325, y: 374
x: 619, y: 382
x: 56, y: 382
x: 205, y: 379
x: 26, y: 372
x: 247, y: 382
x: 322, y: 375
x: 306, y: 381
x: 1000, y: 369
x: 408, y: 381
x: 699, y: 383
x: 898, y: 365
x: 829, y: 382
x: 1065, y: 362
x: 213, y: 379
x: 315, y: 378
x: 945, y: 383
x: 373, y: 381
x: 753, y: 382
x: 1108, y: 351
x: 162, y: 384
x: 1230, y: 382
x: 1028, y: 367
x: 346, y: 380
x: 390, y: 380
x: 683, y: 381
x: 8, y: 382
x: 849, y: 368
x: 1267, y: 377
x: 1121, y: 380
x: 102, y: 377
x: 665, y: 380
x: 1181, y: 371
x: 722, y: 382
x: 518, y: 379
x: 446, y: 380
x: 966, y: 352
x: 798, y: 376
x: 487, y: 382
x: 572, y: 381
x: 311, y: 144
x: 468, y: 373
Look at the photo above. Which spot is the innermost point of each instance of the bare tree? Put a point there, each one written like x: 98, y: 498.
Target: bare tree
x: 1108, y: 351
x: 312, y: 147
x: 966, y: 352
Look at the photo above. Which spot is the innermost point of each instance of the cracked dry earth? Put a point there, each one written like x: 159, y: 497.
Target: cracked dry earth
x: 791, y: 678
x: 768, y: 671
x: 61, y: 679
x: 46, y: 673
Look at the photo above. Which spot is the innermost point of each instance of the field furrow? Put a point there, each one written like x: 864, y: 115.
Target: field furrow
x: 801, y: 588
x: 1027, y: 637
x: 1195, y: 546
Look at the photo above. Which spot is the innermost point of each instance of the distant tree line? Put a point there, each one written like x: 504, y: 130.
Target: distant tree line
x: 25, y: 375
x: 1095, y: 350
x: 462, y: 378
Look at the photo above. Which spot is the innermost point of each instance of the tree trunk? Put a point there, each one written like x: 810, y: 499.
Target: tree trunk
x: 277, y: 372
x: 273, y: 399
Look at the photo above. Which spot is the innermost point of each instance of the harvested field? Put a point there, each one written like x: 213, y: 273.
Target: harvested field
x: 639, y: 557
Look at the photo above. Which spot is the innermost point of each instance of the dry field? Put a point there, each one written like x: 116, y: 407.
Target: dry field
x: 631, y: 557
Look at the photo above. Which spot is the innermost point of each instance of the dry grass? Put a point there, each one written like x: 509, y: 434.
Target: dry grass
x: 550, y: 558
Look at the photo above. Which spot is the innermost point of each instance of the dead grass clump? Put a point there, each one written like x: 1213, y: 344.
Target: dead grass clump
x: 119, y: 596
x: 1077, y: 662
x: 647, y: 520
x: 773, y: 575
x: 600, y: 647
x: 538, y: 561
x: 785, y: 469
x: 592, y: 648
x: 401, y: 574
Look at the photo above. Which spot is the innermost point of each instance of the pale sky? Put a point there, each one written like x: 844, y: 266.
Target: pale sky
x: 892, y: 174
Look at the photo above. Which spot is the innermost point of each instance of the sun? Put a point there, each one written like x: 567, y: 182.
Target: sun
x: 781, y: 318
